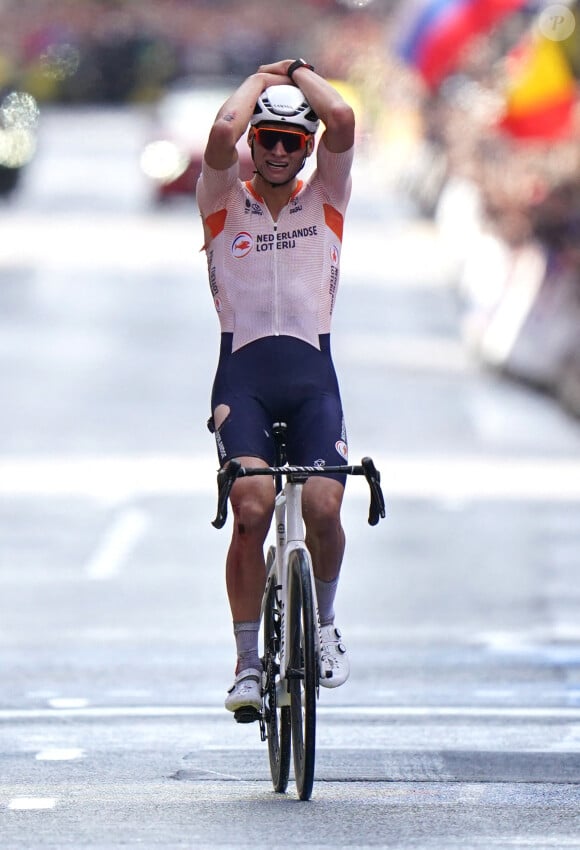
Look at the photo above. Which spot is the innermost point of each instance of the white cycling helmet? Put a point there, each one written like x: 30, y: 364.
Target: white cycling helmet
x: 285, y: 104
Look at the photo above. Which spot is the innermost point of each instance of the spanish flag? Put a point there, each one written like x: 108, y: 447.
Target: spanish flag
x: 540, y: 91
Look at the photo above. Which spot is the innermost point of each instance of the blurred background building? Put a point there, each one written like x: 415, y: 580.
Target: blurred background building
x: 468, y: 107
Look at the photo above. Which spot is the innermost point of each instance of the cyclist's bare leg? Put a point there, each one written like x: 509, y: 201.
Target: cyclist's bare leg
x: 322, y: 500
x: 321, y: 504
x: 252, y: 502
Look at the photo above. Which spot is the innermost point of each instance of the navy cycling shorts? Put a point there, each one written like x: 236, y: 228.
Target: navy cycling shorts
x: 273, y: 379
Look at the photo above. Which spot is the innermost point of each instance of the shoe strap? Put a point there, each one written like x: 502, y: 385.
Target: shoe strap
x: 248, y: 675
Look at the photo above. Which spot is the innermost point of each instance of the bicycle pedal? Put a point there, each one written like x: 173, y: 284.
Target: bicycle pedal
x: 246, y: 714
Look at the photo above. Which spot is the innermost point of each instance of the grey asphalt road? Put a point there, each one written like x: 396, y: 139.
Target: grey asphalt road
x: 460, y: 725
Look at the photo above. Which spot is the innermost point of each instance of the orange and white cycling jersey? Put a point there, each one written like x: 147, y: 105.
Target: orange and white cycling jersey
x: 271, y: 278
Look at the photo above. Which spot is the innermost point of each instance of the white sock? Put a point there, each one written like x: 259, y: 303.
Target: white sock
x: 325, y: 593
x: 246, y: 634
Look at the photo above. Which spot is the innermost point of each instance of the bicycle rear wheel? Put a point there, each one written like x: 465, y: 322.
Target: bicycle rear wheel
x: 302, y: 671
x: 277, y: 718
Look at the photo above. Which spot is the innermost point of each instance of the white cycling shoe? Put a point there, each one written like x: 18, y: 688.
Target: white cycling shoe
x: 334, y: 666
x: 246, y: 692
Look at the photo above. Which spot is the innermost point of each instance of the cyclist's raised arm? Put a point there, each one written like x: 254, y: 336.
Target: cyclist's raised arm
x: 233, y: 118
x: 334, y: 112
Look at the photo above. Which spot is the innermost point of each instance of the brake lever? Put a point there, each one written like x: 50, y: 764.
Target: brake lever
x: 225, y: 482
x: 373, y: 477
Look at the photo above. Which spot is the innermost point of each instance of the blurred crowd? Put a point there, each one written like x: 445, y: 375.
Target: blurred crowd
x: 506, y: 203
x: 119, y: 50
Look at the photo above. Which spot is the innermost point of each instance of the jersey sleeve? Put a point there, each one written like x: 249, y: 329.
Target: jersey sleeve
x: 213, y: 187
x: 334, y: 173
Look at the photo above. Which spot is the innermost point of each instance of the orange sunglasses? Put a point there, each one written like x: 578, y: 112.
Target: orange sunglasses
x: 292, y: 140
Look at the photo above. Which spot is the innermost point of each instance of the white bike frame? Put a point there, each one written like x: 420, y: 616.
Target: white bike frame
x: 289, y: 537
x: 290, y: 534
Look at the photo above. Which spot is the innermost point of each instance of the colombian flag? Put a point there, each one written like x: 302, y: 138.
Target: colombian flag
x: 541, y: 91
x: 434, y: 32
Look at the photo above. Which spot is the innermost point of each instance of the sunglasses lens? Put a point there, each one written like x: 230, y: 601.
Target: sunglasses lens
x: 290, y: 141
x: 267, y: 138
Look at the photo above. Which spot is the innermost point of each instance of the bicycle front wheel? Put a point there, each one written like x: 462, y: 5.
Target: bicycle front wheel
x: 302, y: 671
x: 277, y: 718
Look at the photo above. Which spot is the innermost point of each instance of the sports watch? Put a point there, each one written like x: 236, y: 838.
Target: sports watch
x: 298, y: 63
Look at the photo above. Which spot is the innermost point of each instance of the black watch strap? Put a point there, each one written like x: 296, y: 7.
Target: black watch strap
x: 298, y: 63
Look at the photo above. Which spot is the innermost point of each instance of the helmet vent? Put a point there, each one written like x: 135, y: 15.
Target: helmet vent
x: 285, y: 104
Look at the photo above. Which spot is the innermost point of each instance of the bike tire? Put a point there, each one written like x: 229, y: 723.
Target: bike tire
x: 302, y: 671
x: 278, y: 725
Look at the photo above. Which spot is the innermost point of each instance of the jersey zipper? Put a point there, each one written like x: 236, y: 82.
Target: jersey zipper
x: 276, y: 317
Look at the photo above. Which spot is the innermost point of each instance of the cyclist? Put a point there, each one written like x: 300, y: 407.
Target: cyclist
x: 273, y: 249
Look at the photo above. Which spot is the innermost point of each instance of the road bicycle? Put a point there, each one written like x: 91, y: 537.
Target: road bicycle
x: 293, y: 661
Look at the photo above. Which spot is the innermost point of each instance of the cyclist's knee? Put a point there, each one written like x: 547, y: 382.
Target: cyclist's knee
x: 252, y: 505
x: 322, y: 504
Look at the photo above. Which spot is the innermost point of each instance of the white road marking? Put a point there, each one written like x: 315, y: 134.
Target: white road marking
x: 31, y: 803
x: 441, y: 477
x: 543, y: 842
x: 68, y: 702
x: 427, y: 712
x: 60, y: 754
x: 115, y: 547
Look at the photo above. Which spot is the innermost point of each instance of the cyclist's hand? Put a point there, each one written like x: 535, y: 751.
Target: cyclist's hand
x: 279, y: 69
x: 268, y: 79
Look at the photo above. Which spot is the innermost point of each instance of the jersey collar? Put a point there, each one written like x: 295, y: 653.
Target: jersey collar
x: 259, y: 198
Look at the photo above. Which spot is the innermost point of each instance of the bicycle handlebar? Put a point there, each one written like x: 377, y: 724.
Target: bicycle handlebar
x: 234, y: 470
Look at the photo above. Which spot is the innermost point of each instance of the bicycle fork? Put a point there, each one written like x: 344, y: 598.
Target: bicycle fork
x: 289, y: 537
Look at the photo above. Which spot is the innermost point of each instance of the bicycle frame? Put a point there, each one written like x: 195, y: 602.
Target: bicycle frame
x: 293, y: 659
x: 288, y: 515
x: 289, y: 529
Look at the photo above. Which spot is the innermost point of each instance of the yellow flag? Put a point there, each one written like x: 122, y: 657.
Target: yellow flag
x: 538, y: 75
